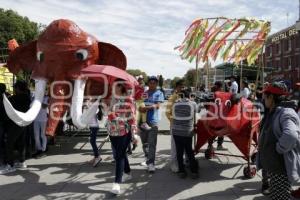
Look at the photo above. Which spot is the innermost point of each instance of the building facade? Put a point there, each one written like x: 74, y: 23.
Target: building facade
x: 282, y: 56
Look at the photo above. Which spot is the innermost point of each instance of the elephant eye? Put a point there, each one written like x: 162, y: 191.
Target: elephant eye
x: 81, y: 54
x: 40, y: 56
x: 218, y: 101
x: 228, y: 103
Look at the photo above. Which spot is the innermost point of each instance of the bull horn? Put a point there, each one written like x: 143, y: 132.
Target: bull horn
x: 24, y: 119
x: 79, y: 119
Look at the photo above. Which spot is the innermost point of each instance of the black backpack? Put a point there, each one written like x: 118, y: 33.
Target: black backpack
x: 100, y: 113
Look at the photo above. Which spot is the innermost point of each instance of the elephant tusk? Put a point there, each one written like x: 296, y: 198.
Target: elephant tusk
x: 80, y: 119
x: 24, y: 119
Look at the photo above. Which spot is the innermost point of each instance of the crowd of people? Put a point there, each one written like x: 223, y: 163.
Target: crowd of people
x: 137, y: 113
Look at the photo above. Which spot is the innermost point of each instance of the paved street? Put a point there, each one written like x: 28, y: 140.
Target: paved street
x: 65, y: 174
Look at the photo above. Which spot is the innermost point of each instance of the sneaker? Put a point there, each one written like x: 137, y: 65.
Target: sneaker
x: 97, y: 161
x: 145, y: 126
x: 144, y: 163
x: 7, y: 169
x: 174, y: 167
x: 116, y: 189
x: 20, y: 165
x: 126, y: 177
x: 151, y: 168
x: 265, y: 189
x: 221, y: 148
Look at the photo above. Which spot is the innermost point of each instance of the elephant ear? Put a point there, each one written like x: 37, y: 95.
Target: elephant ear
x: 23, y: 58
x: 111, y: 55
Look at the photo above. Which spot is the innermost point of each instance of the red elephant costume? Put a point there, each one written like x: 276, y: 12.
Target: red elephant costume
x: 234, y: 117
x: 57, y: 58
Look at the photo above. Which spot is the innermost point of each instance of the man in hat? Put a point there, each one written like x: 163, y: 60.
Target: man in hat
x: 232, y: 85
x: 149, y: 137
x: 245, y: 91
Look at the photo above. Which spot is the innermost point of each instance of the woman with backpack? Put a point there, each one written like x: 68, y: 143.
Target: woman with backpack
x: 279, y: 145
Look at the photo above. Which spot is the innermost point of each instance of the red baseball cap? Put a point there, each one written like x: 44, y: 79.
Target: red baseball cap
x: 298, y: 84
x: 275, y: 90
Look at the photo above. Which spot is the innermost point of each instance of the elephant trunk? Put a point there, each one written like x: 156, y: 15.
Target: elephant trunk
x: 24, y: 119
x: 58, y: 105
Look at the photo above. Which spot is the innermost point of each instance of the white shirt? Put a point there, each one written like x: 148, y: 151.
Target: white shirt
x: 42, y: 116
x: 234, y: 88
x: 91, y: 120
x: 245, y: 92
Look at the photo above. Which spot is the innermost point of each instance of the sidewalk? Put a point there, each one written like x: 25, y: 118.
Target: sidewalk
x: 65, y: 174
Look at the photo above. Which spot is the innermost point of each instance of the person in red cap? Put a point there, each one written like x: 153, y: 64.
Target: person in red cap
x: 279, y: 145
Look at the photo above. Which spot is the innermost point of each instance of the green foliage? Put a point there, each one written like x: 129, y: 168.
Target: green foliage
x: 12, y: 25
x: 137, y: 72
x: 190, y: 78
x: 174, y: 80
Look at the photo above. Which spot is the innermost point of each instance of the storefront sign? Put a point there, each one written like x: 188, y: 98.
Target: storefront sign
x: 284, y: 35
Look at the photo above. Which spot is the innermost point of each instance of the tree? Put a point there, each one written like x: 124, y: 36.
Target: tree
x: 136, y: 72
x: 190, y: 78
x: 174, y: 80
x: 12, y: 25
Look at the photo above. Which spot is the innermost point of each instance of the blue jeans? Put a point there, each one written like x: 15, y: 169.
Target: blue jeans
x: 149, y: 140
x: 120, y: 144
x: 93, y: 138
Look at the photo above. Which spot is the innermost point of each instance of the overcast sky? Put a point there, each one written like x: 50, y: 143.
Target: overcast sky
x: 148, y: 30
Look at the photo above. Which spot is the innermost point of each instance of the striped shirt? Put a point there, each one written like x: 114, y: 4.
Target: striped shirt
x: 183, y: 117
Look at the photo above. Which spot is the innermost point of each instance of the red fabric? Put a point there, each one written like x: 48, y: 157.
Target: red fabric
x: 274, y: 90
x: 112, y: 73
x: 139, y: 91
x: 239, y: 122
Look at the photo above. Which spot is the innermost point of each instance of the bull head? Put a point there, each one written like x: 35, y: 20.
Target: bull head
x: 228, y: 114
x: 57, y: 57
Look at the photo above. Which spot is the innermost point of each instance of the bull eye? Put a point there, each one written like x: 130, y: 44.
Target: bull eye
x: 40, y: 56
x: 81, y: 54
x: 228, y: 103
x: 218, y: 101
